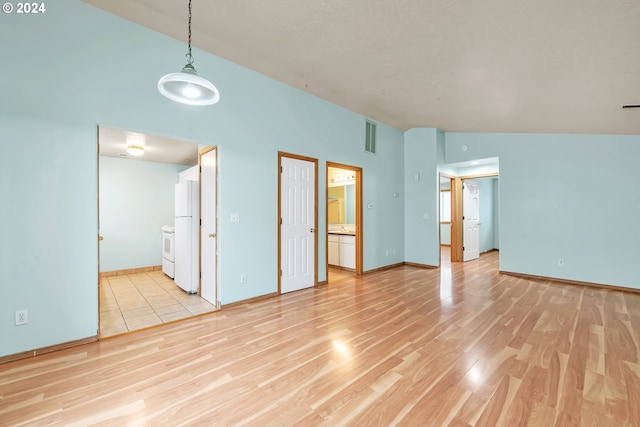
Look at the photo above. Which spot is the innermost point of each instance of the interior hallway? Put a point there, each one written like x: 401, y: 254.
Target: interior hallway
x: 135, y: 301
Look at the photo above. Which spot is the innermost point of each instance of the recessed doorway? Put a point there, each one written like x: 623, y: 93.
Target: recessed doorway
x: 136, y: 201
x: 344, y: 221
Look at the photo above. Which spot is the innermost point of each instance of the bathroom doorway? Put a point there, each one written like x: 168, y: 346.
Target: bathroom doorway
x: 344, y: 221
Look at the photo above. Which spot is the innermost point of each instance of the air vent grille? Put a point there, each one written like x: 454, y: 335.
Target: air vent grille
x: 370, y: 138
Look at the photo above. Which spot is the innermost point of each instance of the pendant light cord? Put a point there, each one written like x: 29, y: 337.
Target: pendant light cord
x: 188, y: 55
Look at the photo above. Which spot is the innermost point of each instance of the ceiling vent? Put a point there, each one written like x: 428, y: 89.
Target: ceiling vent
x: 370, y: 138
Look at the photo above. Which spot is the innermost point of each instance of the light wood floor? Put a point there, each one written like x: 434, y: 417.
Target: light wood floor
x: 134, y: 301
x: 336, y: 274
x: 414, y: 347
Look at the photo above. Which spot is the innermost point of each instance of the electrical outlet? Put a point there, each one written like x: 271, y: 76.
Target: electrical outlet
x: 560, y: 262
x: 243, y: 278
x: 235, y: 217
x: 22, y: 317
x: 387, y: 252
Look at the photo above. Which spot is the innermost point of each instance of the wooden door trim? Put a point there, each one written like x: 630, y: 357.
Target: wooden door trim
x: 282, y: 154
x: 453, y: 229
x: 359, y: 231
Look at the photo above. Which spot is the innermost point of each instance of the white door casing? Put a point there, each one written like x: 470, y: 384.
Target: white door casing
x: 470, y: 220
x: 297, y: 230
x: 208, y: 226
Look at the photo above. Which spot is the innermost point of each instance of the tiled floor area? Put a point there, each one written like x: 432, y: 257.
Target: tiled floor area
x: 140, y: 300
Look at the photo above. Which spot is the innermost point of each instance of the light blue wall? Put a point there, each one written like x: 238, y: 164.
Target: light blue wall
x: 136, y: 200
x: 445, y: 229
x: 557, y: 201
x: 485, y: 191
x: 75, y: 74
x: 421, y: 219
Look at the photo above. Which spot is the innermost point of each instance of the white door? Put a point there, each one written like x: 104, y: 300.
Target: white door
x: 470, y: 221
x: 184, y: 276
x: 297, y: 233
x: 208, y: 228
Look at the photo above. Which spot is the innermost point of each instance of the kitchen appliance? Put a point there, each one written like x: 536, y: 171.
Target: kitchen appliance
x: 168, y: 252
x: 187, y: 235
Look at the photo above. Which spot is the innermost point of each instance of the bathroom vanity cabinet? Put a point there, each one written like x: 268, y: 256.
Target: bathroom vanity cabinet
x: 342, y: 250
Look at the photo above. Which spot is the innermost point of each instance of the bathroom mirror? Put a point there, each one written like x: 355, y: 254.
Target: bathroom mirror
x: 341, y: 204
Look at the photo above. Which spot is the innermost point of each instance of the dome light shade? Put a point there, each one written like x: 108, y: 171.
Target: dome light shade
x: 135, y: 144
x: 187, y: 87
x: 135, y: 150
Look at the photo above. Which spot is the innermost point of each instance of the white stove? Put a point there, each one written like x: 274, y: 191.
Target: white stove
x: 168, y: 251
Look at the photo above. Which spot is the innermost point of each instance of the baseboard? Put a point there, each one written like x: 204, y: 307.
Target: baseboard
x: 339, y: 267
x: 249, y: 300
x: 49, y: 349
x: 414, y: 264
x: 386, y: 267
x: 571, y: 282
x: 130, y: 271
x: 400, y: 264
x: 324, y: 282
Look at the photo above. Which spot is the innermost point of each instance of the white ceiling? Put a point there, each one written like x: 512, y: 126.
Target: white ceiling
x: 113, y: 143
x: 552, y: 66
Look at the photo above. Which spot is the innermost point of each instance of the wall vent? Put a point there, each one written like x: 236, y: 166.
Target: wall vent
x: 370, y: 137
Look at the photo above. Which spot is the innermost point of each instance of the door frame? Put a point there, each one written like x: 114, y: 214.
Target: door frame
x: 99, y: 235
x: 358, y: 173
x: 200, y: 154
x: 452, y: 223
x: 281, y: 155
x: 456, y: 213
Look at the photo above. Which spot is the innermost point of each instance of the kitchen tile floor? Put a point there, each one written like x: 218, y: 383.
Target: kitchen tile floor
x: 134, y: 301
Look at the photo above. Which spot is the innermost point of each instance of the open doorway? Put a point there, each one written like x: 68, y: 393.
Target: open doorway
x: 475, y: 218
x: 344, y: 221
x: 137, y: 217
x: 446, y: 210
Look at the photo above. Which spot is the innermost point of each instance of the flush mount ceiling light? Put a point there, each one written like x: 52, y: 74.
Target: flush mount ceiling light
x: 135, y: 150
x: 135, y: 144
x: 187, y: 87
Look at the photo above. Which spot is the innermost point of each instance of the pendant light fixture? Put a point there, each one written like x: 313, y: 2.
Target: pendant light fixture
x: 187, y: 87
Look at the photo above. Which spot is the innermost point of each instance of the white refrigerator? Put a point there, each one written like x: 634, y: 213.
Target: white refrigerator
x: 187, y: 235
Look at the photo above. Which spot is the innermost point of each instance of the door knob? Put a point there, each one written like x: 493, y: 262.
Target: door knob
x: 312, y: 230
x: 212, y: 235
x: 100, y: 238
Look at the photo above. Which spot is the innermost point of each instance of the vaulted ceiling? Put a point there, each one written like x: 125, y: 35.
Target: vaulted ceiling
x: 551, y: 66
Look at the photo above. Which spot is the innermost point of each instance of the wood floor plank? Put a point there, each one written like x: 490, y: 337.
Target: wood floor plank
x: 459, y: 346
